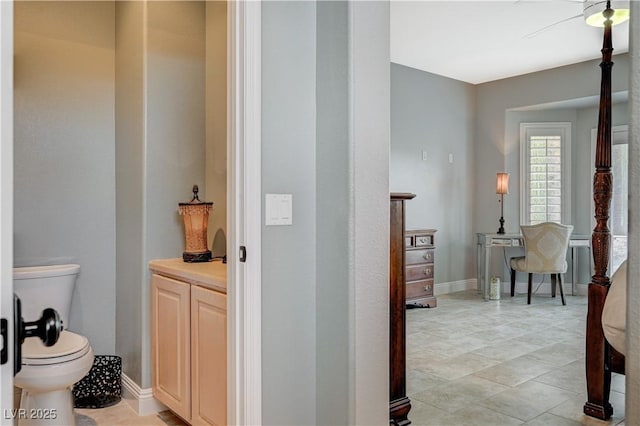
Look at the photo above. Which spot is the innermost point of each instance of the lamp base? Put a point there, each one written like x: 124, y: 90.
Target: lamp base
x: 501, y: 229
x: 197, y: 257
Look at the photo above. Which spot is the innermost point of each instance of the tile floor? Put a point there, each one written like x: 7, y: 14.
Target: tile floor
x: 122, y: 414
x: 471, y: 362
x: 494, y: 363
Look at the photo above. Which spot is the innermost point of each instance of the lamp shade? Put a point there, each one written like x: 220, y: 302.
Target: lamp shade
x: 593, y: 12
x: 196, y: 219
x: 502, y: 183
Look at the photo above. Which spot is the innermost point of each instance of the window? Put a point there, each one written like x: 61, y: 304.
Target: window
x: 545, y: 178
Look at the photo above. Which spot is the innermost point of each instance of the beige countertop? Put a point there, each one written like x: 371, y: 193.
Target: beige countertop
x: 212, y: 275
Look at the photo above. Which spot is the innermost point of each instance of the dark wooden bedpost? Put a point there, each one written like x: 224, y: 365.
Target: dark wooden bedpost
x: 399, y: 403
x: 597, y: 349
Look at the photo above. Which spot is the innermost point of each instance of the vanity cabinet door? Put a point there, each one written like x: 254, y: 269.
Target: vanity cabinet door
x: 170, y: 348
x: 208, y: 356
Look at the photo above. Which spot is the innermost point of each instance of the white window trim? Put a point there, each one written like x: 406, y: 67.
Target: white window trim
x: 564, y: 129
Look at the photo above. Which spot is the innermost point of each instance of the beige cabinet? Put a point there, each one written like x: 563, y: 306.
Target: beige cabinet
x: 208, y: 357
x: 188, y: 348
x: 170, y: 344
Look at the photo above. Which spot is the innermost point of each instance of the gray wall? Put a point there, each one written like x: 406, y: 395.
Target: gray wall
x: 64, y: 152
x: 480, y: 126
x: 325, y: 139
x: 497, y: 151
x: 582, y: 120
x: 369, y: 131
x: 175, y: 134
x: 90, y: 137
x: 332, y: 214
x: 130, y: 125
x: 289, y: 252
x: 497, y: 139
x: 175, y: 122
x: 436, y: 114
x: 160, y: 151
x: 216, y: 131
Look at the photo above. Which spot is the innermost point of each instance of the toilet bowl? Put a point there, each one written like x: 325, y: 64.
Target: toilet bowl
x: 48, y: 373
x: 47, y: 376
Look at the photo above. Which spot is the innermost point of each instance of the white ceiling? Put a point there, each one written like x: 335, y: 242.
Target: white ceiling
x: 479, y: 40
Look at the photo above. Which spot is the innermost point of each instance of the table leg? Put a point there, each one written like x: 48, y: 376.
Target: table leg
x: 479, y: 263
x: 574, y: 261
x: 485, y: 280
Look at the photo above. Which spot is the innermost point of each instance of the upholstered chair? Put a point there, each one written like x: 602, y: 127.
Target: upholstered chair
x: 545, y: 252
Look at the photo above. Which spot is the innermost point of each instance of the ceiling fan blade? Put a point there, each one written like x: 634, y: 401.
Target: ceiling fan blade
x: 548, y: 27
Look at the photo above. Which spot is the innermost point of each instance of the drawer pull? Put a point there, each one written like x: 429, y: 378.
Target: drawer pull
x: 427, y: 271
x: 427, y: 256
x: 427, y: 287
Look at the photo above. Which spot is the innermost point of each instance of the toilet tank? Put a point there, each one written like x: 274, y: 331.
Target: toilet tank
x: 40, y: 287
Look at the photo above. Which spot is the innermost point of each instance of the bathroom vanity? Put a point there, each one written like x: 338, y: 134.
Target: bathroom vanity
x: 189, y: 338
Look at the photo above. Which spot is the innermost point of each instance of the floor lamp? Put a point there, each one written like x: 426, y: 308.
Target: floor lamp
x: 502, y: 187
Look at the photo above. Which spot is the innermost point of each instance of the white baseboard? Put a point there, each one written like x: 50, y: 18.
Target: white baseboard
x: 141, y: 400
x: 453, y: 286
x: 471, y: 284
x: 582, y: 289
x: 545, y: 288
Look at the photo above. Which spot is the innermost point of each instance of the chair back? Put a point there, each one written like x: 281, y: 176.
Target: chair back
x: 545, y: 247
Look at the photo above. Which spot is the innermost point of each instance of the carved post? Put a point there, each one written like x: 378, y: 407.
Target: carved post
x: 597, y: 350
x: 399, y: 402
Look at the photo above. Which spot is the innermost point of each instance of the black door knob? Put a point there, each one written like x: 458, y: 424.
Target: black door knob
x: 48, y: 328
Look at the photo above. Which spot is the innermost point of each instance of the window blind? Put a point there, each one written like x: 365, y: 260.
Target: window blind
x: 545, y: 179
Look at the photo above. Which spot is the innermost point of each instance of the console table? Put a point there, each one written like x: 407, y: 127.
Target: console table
x: 488, y: 241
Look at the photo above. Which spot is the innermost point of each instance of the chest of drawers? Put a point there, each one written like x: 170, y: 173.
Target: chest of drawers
x: 419, y: 273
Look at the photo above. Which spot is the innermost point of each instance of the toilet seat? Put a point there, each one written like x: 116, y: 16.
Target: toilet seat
x: 70, y: 346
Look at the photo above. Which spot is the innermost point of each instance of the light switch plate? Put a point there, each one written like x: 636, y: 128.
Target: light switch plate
x: 278, y: 209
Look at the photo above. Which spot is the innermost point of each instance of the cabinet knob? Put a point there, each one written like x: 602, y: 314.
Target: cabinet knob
x: 427, y: 287
x: 427, y: 271
x: 427, y: 256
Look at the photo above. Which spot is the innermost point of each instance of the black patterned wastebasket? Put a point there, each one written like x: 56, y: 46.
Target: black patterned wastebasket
x: 101, y: 387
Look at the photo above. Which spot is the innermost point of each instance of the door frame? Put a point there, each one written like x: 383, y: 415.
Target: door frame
x: 6, y: 199
x: 244, y: 130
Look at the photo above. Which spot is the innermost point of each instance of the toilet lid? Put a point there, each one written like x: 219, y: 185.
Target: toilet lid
x: 69, y: 346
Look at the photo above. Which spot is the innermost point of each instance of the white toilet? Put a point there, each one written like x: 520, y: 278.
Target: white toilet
x: 48, y: 373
